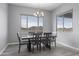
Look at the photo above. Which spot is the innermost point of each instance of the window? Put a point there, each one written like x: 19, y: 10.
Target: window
x: 41, y: 21
x: 68, y: 21
x: 64, y: 22
x: 32, y: 23
x: 59, y: 23
x: 23, y: 22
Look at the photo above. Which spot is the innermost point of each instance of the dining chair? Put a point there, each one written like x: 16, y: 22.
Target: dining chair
x: 53, y: 37
x: 21, y: 42
x: 37, y: 40
x: 47, y: 40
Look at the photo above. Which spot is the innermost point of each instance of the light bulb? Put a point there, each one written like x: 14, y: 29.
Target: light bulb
x: 34, y: 14
x: 42, y: 14
x: 37, y: 12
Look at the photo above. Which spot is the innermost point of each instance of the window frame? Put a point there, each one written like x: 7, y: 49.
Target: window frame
x: 27, y: 20
x: 71, y: 10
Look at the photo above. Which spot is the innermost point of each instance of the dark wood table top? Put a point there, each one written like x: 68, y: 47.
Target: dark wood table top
x: 31, y: 37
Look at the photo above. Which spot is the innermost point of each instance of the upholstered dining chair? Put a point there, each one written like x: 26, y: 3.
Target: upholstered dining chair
x: 21, y: 42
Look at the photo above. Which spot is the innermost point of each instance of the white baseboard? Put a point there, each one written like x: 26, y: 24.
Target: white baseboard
x: 12, y: 43
x: 68, y: 46
x: 7, y: 46
x: 3, y: 49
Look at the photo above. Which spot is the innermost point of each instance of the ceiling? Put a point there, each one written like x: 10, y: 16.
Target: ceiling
x: 44, y: 6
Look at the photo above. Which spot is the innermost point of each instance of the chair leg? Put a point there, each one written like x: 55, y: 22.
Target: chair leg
x: 19, y: 48
x: 33, y: 49
x: 55, y: 44
x: 37, y: 46
x: 43, y: 47
x: 40, y: 47
x: 50, y: 45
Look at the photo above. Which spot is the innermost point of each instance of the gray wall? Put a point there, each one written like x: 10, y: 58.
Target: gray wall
x: 69, y: 38
x: 3, y: 25
x: 14, y: 20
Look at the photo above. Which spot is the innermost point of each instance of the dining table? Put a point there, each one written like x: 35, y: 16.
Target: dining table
x: 29, y: 38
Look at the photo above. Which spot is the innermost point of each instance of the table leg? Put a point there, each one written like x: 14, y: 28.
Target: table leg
x: 48, y: 45
x: 29, y: 46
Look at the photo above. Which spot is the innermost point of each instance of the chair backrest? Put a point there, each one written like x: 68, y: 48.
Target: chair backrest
x: 37, y: 35
x: 47, y: 34
x: 18, y: 35
x: 31, y: 33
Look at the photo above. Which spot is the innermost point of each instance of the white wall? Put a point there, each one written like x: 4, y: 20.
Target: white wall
x: 69, y: 38
x: 14, y: 20
x: 3, y: 26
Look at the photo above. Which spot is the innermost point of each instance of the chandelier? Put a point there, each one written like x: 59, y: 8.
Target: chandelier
x: 38, y: 13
